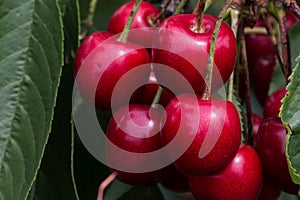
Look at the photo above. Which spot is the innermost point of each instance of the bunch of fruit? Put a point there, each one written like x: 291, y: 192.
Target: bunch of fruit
x: 201, y: 135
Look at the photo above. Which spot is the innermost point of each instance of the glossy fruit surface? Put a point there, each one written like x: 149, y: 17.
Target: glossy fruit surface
x: 105, y: 66
x: 207, y: 131
x: 146, y: 94
x: 271, y: 148
x: 142, y: 35
x: 88, y: 44
x: 262, y: 76
x: 136, y: 132
x: 242, y: 179
x: 185, y: 51
x: 273, y: 103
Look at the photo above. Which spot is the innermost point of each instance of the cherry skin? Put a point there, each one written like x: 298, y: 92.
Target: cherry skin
x: 271, y: 140
x: 269, y: 191
x: 136, y: 132
x: 175, y: 181
x: 194, y: 121
x: 262, y: 76
x: 105, y: 66
x: 256, y: 120
x: 88, y: 44
x: 185, y: 51
x: 242, y: 179
x: 273, y: 103
x: 143, y: 35
x: 146, y: 94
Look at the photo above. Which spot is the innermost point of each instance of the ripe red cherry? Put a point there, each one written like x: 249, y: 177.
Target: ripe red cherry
x: 269, y: 191
x: 271, y: 140
x: 256, y: 120
x: 262, y: 75
x: 273, y: 103
x: 175, y: 181
x: 103, y: 68
x: 194, y: 121
x: 142, y: 22
x: 88, y: 44
x: 135, y: 131
x: 176, y: 45
x: 242, y: 179
x: 146, y: 94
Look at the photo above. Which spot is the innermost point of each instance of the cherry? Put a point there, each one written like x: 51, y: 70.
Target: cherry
x: 269, y: 191
x: 185, y: 51
x: 146, y: 93
x: 88, y: 44
x: 133, y: 130
x: 194, y: 121
x: 273, y: 103
x: 105, y: 65
x: 271, y: 140
x: 262, y: 76
x: 241, y: 179
x: 256, y: 120
x: 142, y: 21
x: 175, y: 181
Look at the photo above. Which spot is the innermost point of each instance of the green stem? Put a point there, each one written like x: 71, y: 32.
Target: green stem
x: 124, y: 35
x: 180, y: 7
x: 235, y: 14
x: 245, y: 70
x: 157, y: 97
x: 72, y: 159
x: 89, y: 20
x: 210, y: 65
x: 208, y: 4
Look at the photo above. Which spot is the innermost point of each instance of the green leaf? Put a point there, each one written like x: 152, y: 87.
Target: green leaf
x: 30, y: 66
x: 56, y: 164
x: 71, y: 21
x: 290, y: 115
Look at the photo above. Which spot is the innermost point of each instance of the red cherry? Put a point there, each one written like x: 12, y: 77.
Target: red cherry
x: 262, y: 76
x: 256, y: 120
x: 176, y: 181
x: 242, y: 179
x: 146, y: 93
x: 195, y: 121
x: 269, y: 191
x: 88, y: 44
x: 143, y: 35
x: 273, y: 103
x: 271, y: 140
x: 136, y: 132
x: 291, y: 19
x: 104, y: 67
x: 186, y: 52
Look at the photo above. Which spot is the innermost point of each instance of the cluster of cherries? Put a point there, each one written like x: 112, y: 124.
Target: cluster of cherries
x: 201, y: 135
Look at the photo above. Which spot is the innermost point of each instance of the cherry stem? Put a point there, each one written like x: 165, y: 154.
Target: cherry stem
x: 245, y: 70
x: 180, y: 7
x: 268, y: 25
x: 106, y: 183
x: 256, y: 30
x: 210, y: 65
x: 157, y: 97
x: 72, y: 158
x: 153, y: 19
x: 235, y: 15
x: 199, y: 11
x: 89, y: 21
x: 293, y: 6
x: 285, y: 45
x: 124, y: 35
